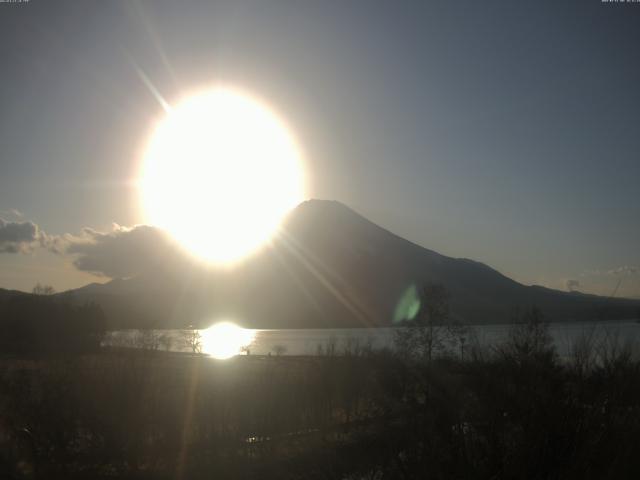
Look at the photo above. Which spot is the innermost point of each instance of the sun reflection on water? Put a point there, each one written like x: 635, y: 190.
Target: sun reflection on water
x: 225, y: 340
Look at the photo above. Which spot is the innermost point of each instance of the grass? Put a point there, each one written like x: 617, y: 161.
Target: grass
x: 517, y: 412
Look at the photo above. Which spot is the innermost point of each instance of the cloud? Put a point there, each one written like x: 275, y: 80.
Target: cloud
x: 13, y: 213
x: 572, y: 285
x: 624, y: 281
x: 20, y: 237
x: 123, y: 252
x: 624, y: 270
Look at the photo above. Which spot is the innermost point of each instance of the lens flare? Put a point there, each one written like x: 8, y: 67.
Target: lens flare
x: 408, y: 305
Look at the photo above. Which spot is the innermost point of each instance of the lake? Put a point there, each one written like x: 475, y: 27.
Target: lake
x: 339, y: 341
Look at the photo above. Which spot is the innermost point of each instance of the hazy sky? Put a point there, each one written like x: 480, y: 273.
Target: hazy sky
x: 500, y: 131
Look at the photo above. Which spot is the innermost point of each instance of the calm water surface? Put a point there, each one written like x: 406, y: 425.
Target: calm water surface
x: 318, y: 341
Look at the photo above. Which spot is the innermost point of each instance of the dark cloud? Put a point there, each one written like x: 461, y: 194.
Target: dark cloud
x: 572, y: 285
x: 123, y: 252
x: 19, y: 237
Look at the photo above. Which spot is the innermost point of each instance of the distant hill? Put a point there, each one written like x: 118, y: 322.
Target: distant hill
x: 6, y: 294
x: 331, y: 267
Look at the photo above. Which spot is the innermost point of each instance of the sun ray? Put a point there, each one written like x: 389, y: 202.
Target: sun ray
x: 307, y: 260
x: 150, y: 86
x: 297, y: 280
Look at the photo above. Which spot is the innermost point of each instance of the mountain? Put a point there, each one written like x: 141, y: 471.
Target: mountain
x: 331, y: 267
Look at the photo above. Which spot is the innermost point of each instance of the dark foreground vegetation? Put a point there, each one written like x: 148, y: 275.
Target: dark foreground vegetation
x: 41, y: 323
x: 439, y: 407
x: 513, y: 412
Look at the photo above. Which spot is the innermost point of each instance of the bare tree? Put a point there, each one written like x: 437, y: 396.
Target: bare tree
x: 614, y: 352
x: 583, y: 351
x: 147, y: 340
x: 458, y: 336
x: 166, y: 341
x: 329, y: 348
x: 192, y: 340
x: 41, y: 289
x: 279, y: 350
x: 529, y: 338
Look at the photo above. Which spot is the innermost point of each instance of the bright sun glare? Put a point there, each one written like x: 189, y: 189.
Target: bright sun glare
x: 220, y: 173
x: 225, y: 340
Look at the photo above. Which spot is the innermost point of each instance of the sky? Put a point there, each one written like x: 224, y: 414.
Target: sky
x: 499, y: 131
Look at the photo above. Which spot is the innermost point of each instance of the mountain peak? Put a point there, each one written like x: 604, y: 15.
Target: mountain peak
x: 318, y: 204
x: 318, y: 210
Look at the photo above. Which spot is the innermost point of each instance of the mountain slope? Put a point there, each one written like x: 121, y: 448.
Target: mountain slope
x: 331, y: 267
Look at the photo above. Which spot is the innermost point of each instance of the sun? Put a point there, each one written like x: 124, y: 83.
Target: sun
x: 220, y: 172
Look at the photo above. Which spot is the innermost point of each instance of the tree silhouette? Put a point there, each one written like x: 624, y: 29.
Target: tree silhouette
x: 40, y: 289
x: 192, y: 340
x: 424, y: 335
